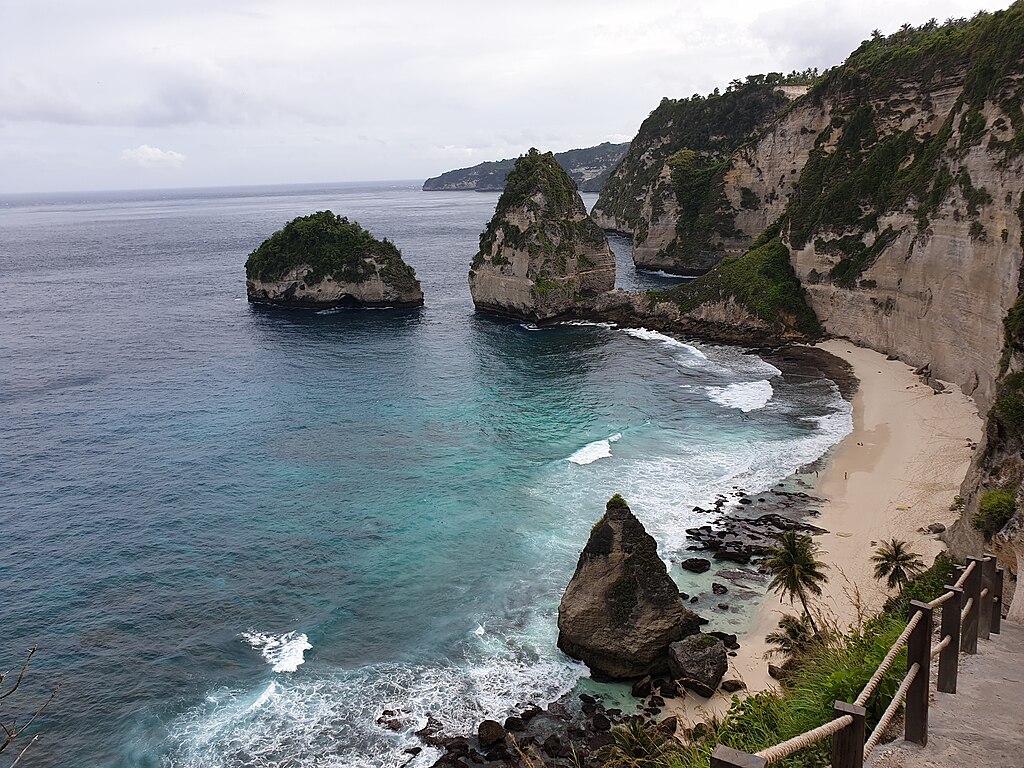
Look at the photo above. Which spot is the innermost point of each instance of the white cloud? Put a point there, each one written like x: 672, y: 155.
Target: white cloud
x: 146, y: 156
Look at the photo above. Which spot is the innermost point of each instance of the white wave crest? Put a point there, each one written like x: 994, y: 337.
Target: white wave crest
x: 284, y: 652
x: 746, y: 396
x: 648, y: 335
x: 599, y: 449
x: 589, y: 323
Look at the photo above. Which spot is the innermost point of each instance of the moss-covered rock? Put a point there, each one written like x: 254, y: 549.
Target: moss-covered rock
x: 540, y: 254
x: 324, y: 260
x: 621, y: 610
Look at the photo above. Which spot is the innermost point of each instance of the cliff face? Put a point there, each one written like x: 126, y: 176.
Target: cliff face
x: 589, y: 168
x: 323, y: 260
x: 670, y: 193
x: 894, y: 187
x: 541, y: 255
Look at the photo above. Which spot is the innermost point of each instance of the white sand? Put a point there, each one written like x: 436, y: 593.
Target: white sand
x: 897, y: 472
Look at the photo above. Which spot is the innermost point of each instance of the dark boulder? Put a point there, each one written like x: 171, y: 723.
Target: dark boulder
x: 699, y: 662
x: 695, y: 565
x: 490, y: 733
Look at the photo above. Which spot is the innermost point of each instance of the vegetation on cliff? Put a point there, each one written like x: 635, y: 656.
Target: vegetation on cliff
x: 862, y: 167
x: 710, y: 127
x: 541, y: 186
x: 329, y: 245
x: 761, y: 280
x: 589, y: 168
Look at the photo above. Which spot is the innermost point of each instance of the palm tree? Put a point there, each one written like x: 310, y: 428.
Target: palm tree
x: 895, y: 563
x: 792, y: 638
x: 795, y: 570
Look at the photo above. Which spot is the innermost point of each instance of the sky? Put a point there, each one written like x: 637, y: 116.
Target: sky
x: 130, y: 94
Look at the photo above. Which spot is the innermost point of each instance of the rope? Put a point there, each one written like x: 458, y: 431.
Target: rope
x: 941, y: 599
x: 963, y: 576
x: 890, y: 657
x: 941, y: 646
x: 788, y: 747
x: 897, y: 700
x: 967, y: 609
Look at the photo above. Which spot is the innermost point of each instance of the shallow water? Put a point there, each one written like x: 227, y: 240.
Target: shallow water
x: 238, y: 535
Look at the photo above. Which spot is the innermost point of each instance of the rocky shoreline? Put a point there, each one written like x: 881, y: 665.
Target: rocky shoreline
x: 727, y: 548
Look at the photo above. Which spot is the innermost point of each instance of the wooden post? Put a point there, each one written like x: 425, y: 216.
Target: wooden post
x: 949, y: 657
x: 972, y: 589
x: 988, y: 579
x: 997, y: 601
x: 724, y: 757
x: 848, y: 744
x: 919, y: 651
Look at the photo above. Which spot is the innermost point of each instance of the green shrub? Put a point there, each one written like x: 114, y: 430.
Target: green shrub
x: 995, y: 508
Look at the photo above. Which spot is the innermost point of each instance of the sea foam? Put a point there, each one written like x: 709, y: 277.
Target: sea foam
x: 284, y: 653
x: 599, y: 449
x: 745, y: 396
x: 649, y: 335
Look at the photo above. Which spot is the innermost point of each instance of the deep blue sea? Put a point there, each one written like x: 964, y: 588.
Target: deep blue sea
x: 238, y: 535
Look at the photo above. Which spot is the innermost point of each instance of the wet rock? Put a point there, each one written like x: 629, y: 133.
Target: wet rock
x: 600, y: 723
x: 553, y: 747
x: 728, y: 640
x: 642, y: 688
x: 433, y: 732
x: 699, y: 662
x: 489, y: 733
x: 695, y: 565
x: 719, y: 589
x: 514, y: 723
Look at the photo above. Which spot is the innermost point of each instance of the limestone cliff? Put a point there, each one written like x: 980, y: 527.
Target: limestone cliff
x: 541, y: 255
x: 323, y: 260
x: 670, y: 192
x: 621, y: 611
x: 895, y: 187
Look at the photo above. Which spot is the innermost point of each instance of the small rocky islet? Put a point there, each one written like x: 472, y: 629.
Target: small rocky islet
x: 323, y: 260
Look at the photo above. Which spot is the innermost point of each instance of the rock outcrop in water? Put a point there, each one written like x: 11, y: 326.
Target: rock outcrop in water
x: 621, y: 611
x: 541, y: 255
x: 323, y: 260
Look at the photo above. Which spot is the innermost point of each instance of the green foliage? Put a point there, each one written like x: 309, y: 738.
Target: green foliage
x: 1008, y: 409
x: 540, y: 185
x: 793, y: 638
x: 795, y: 569
x: 896, y: 563
x: 712, y: 126
x: 329, y: 245
x: 924, y: 587
x: 749, y: 199
x: 995, y: 508
x: 762, y: 280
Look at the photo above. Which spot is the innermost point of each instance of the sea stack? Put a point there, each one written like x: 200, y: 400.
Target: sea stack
x: 621, y: 611
x: 323, y: 260
x: 541, y: 254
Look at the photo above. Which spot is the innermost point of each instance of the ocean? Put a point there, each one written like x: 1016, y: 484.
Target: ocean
x: 239, y: 535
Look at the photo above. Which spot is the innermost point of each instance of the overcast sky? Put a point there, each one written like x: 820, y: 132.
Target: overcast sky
x: 109, y: 94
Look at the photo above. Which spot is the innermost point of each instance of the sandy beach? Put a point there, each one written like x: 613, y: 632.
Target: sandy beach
x: 896, y: 473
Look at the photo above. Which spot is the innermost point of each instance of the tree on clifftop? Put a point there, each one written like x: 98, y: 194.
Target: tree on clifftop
x: 795, y: 570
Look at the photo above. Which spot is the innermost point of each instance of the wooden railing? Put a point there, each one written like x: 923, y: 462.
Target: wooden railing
x: 970, y: 608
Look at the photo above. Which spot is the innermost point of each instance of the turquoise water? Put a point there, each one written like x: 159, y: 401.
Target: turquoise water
x: 239, y: 535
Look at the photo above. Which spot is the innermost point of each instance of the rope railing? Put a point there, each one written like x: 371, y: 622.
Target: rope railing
x: 897, y: 701
x: 942, y: 645
x: 803, y: 740
x: 887, y: 662
x: 974, y: 611
x: 959, y: 583
x: 966, y: 609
